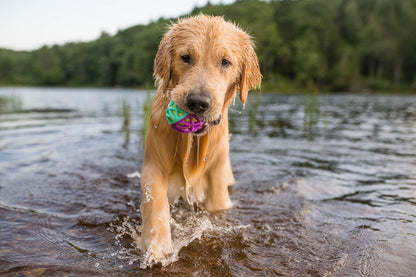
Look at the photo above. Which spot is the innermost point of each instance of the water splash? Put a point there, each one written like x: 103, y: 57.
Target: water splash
x: 127, y: 238
x: 147, y: 193
x: 133, y: 175
x: 187, y: 225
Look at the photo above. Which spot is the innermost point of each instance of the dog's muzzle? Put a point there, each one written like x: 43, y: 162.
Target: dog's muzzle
x: 207, y: 125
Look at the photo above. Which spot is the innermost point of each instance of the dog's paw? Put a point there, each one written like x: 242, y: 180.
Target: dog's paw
x: 157, y: 253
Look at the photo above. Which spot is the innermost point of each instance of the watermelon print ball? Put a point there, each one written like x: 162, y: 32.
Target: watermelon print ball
x: 182, y: 121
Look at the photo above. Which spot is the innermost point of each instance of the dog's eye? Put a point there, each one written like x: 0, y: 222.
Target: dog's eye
x: 186, y: 59
x: 225, y: 63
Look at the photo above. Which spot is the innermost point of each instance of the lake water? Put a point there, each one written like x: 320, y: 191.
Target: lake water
x: 326, y: 187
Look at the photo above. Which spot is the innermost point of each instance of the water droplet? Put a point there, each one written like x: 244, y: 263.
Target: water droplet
x: 155, y: 126
x: 205, y: 158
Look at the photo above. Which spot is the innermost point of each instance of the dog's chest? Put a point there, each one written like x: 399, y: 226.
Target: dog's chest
x: 192, y: 190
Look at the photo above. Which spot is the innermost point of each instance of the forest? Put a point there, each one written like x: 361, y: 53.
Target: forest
x: 325, y: 45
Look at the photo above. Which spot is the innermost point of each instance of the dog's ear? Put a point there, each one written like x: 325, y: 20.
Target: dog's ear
x: 250, y: 73
x: 162, y: 67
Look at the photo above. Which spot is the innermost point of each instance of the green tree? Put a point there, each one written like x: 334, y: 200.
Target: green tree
x: 335, y: 45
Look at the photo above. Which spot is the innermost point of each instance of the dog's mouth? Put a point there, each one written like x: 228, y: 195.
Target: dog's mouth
x: 208, y: 125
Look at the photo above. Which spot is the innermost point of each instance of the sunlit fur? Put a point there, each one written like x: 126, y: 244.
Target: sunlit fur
x: 194, y: 167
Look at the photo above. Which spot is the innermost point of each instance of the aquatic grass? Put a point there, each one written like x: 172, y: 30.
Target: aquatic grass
x: 254, y: 111
x: 126, y: 115
x: 146, y: 114
x: 311, y: 114
x: 11, y: 103
x: 314, y: 113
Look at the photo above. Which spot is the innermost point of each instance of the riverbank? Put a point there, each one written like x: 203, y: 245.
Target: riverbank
x: 284, y: 88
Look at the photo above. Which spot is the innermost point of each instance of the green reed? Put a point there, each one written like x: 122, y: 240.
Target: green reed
x: 311, y: 114
x: 11, y: 103
x: 126, y: 113
x: 254, y: 111
x: 146, y: 114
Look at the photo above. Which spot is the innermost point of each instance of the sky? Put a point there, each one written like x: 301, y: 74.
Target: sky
x: 30, y: 24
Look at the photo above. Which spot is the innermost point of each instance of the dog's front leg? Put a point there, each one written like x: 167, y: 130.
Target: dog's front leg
x: 216, y: 193
x: 156, y: 237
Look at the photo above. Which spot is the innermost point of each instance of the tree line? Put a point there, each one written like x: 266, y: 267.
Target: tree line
x: 332, y: 45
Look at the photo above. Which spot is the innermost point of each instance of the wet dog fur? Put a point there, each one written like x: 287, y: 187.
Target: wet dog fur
x: 206, y: 58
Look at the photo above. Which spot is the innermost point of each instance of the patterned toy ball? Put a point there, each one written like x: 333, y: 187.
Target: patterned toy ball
x: 181, y: 121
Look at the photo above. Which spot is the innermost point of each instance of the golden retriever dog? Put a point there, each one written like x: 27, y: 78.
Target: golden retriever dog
x: 201, y: 63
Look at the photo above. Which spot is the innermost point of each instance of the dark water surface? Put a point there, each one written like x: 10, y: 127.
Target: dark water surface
x: 326, y: 187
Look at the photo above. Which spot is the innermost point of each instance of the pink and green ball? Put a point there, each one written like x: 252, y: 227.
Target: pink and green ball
x: 182, y: 121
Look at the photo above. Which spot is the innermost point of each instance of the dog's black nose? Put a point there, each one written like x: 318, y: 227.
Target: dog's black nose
x: 198, y: 102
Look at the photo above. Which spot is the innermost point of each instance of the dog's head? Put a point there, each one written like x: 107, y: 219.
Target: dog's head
x: 202, y: 61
